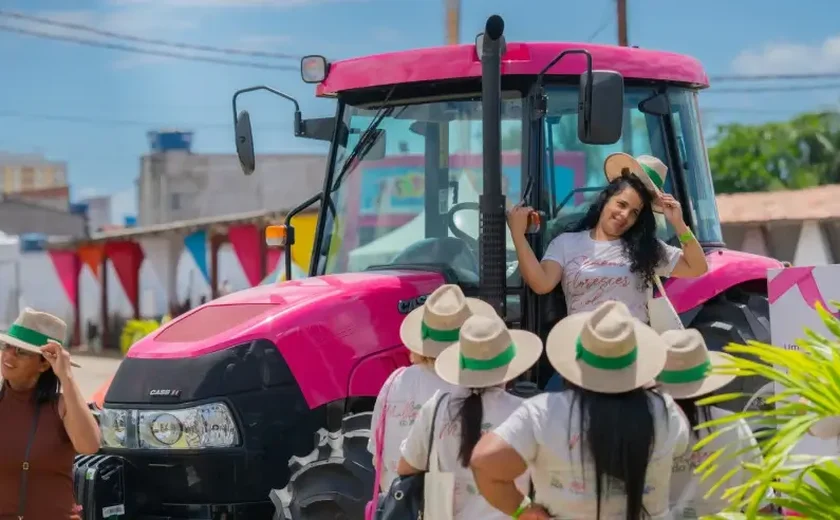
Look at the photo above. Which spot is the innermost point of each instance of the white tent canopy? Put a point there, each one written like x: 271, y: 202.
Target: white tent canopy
x: 384, y: 248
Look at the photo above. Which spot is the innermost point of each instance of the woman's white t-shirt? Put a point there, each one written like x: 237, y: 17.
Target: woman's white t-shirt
x: 545, y: 431
x: 497, y: 406
x: 595, y: 271
x: 688, y: 492
x: 409, y: 390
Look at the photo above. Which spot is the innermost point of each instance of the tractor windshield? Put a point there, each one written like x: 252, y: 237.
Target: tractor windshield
x: 576, y: 175
x: 411, y: 197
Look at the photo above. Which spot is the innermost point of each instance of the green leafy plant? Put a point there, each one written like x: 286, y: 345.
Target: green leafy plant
x: 809, y: 379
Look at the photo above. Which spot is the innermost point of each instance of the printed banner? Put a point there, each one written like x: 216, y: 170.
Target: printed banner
x: 196, y: 244
x: 68, y: 267
x: 246, y: 242
x: 793, y: 293
x: 126, y: 257
x: 91, y: 256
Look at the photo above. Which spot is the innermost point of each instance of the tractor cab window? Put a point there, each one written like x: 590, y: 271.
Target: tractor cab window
x: 695, y: 163
x: 412, y: 197
x: 574, y: 172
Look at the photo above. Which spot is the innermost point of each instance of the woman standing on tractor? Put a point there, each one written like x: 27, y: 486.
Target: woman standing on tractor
x: 613, y: 253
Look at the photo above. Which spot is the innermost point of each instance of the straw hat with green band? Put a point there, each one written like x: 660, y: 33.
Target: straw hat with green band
x: 606, y: 350
x: 650, y: 170
x: 32, y: 330
x: 488, y: 354
x: 686, y: 373
x: 429, y: 329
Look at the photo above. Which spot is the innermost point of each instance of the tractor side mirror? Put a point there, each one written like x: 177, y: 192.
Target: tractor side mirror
x: 245, y: 143
x: 601, y: 107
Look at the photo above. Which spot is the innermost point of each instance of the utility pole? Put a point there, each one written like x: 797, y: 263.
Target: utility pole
x: 463, y: 126
x: 621, y: 7
x: 621, y: 22
x: 453, y: 22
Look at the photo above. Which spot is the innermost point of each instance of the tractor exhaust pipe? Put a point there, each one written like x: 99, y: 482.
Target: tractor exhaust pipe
x: 492, y: 258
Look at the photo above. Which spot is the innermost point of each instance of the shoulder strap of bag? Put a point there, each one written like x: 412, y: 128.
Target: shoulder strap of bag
x: 432, y: 444
x: 24, y: 473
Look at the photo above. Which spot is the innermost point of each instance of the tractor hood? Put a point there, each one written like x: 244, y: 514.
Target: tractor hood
x: 329, y: 330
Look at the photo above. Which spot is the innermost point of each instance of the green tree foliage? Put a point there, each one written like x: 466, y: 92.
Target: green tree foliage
x: 809, y: 379
x: 799, y: 153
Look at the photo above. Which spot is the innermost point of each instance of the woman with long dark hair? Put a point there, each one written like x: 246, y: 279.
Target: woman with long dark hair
x: 686, y: 377
x: 613, y: 253
x: 485, y: 359
x: 425, y: 332
x: 45, y: 421
x: 601, y: 449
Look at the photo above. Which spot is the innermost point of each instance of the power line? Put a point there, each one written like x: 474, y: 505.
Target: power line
x: 150, y: 41
x: 776, y: 77
x: 139, y: 50
x: 133, y: 123
x: 790, y: 88
x: 121, y: 122
x: 605, y: 22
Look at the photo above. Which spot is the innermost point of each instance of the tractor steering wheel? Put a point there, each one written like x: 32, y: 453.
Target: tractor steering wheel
x: 471, y: 242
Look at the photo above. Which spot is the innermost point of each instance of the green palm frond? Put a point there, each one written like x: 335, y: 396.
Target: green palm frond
x: 809, y: 384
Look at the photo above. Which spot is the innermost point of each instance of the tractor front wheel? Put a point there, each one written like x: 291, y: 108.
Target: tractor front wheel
x: 335, y: 481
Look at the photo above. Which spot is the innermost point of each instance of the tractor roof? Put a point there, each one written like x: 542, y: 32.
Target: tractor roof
x: 461, y: 61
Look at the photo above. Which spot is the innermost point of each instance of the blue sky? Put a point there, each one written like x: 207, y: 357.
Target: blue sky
x: 123, y: 95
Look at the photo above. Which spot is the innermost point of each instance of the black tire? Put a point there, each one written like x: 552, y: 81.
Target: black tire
x: 335, y: 481
x: 737, y: 316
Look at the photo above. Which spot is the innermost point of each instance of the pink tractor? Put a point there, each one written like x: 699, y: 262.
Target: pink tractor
x: 257, y: 405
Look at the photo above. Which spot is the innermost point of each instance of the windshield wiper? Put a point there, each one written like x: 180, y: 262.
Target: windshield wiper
x: 366, y: 140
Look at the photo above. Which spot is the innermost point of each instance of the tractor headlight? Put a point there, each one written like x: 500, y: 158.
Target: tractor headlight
x: 199, y: 427
x: 114, y: 427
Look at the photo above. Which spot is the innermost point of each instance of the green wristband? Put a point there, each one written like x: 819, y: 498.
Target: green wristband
x: 686, y: 237
x: 526, y: 503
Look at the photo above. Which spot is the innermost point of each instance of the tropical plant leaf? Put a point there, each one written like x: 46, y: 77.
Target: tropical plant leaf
x: 808, y: 383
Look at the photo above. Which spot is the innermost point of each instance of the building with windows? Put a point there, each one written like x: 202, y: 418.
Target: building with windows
x: 176, y: 184
x: 35, y: 179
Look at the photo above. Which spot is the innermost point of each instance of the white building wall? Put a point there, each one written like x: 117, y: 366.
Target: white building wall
x: 812, y: 248
x: 176, y: 185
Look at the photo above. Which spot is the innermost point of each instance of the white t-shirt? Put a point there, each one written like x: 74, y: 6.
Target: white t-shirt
x: 497, y: 406
x: 409, y: 390
x: 595, y: 271
x: 564, y: 481
x: 688, y: 492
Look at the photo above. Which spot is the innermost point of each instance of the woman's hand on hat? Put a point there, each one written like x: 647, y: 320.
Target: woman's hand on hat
x: 517, y: 218
x: 59, y: 360
x: 671, y: 208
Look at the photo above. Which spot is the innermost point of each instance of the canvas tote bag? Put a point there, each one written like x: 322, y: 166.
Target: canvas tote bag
x: 661, y: 312
x: 439, y: 489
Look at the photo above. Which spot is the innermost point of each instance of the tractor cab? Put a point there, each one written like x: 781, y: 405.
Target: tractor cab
x: 429, y: 148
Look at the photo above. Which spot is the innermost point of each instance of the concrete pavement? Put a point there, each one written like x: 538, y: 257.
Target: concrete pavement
x: 94, y: 373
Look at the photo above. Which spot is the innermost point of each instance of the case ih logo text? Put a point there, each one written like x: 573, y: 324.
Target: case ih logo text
x: 164, y: 393
x: 406, y: 306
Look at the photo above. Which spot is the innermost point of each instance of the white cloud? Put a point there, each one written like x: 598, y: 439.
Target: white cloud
x: 147, y: 21
x: 790, y: 58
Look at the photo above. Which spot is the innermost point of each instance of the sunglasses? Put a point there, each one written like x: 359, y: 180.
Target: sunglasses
x: 19, y: 352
